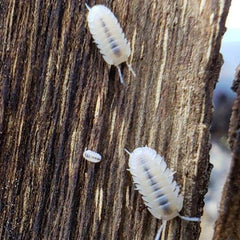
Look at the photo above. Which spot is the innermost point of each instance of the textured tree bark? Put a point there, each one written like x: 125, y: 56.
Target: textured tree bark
x: 227, y: 224
x: 58, y: 96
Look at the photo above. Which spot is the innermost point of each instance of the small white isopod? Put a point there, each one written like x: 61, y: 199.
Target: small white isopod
x: 154, y: 180
x: 92, y: 156
x: 109, y: 37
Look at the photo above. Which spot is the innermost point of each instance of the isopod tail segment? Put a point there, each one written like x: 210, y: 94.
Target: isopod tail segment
x: 127, y: 151
x: 162, y: 228
x: 191, y: 219
x: 131, y: 69
x: 120, y: 73
x: 164, y: 224
x: 87, y: 6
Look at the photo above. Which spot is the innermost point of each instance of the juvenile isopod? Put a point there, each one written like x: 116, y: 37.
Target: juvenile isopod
x: 155, y: 183
x: 109, y: 37
x: 92, y: 156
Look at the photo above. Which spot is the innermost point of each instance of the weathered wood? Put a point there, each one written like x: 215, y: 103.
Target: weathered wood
x: 58, y: 96
x: 227, y: 224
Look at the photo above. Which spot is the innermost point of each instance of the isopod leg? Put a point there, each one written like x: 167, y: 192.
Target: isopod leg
x: 193, y: 219
x: 120, y: 75
x: 162, y: 228
x: 131, y: 69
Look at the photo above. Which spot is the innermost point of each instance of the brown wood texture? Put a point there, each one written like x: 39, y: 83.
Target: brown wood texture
x: 227, y: 224
x: 58, y: 96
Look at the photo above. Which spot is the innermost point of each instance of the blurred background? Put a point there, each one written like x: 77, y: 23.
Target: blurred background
x: 220, y: 155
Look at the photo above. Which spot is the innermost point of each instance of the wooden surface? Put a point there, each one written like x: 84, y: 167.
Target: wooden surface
x: 58, y: 96
x: 227, y: 224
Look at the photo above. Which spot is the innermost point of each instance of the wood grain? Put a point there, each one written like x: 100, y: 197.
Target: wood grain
x: 58, y: 96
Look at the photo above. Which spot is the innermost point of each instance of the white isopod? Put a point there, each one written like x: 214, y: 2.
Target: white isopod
x: 92, y: 156
x: 155, y: 182
x: 109, y: 37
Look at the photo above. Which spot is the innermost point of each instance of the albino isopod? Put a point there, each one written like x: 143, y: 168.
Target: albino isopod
x: 109, y: 37
x: 92, y: 156
x: 155, y: 182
